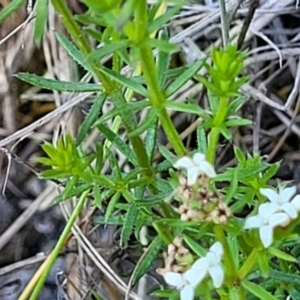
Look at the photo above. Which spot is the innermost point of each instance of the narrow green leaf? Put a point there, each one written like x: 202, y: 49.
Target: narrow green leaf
x: 269, y: 173
x: 163, y: 45
x: 96, y: 35
x: 263, y: 262
x: 113, y: 163
x: 163, y: 61
x: 257, y: 290
x: 107, y: 49
x: 128, y: 107
x: 73, y: 51
x: 243, y: 173
x: 189, y: 107
x: 90, y: 119
x: 213, y: 102
x: 125, y: 81
x: 118, y: 143
x: 285, y: 277
x: 129, y: 223
x: 195, y: 246
x: 201, y: 140
x: 294, y: 293
x: 282, y: 255
x: 101, y: 7
x: 61, y: 86
x: 75, y: 192
x: 233, y: 186
x: 151, y: 140
x: 90, y: 19
x: 183, y: 78
x: 99, y: 197
x: 40, y: 20
x: 238, y: 122
x: 235, y: 105
x: 111, y: 205
x: 99, y: 158
x: 10, y: 8
x: 151, y: 119
x: 147, y: 259
x: 159, y: 22
x: 226, y: 133
x: 69, y: 188
x: 49, y: 149
x: 239, y: 155
x: 234, y: 246
x: 167, y: 154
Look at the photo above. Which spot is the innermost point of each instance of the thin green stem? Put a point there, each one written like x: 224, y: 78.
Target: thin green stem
x: 214, y: 135
x: 228, y: 259
x: 248, y: 265
x: 82, y: 43
x: 158, y: 99
x: 59, y: 245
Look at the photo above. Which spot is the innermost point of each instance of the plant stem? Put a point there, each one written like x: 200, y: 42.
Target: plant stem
x: 215, y: 131
x: 228, y: 259
x: 249, y: 263
x: 82, y: 43
x: 59, y: 245
x: 158, y: 99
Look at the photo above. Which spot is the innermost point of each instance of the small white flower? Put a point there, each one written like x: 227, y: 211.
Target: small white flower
x: 212, y: 263
x: 267, y: 219
x: 282, y: 200
x: 195, y: 167
x: 186, y: 282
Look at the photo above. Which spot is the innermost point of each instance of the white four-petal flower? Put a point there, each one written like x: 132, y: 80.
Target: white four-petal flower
x: 267, y: 219
x: 207, y: 265
x: 282, y: 200
x: 186, y: 282
x: 212, y: 263
x: 195, y: 167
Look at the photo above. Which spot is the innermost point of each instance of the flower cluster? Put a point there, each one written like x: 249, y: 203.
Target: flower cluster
x: 210, y: 265
x: 282, y: 208
x: 198, y: 202
x: 195, y: 167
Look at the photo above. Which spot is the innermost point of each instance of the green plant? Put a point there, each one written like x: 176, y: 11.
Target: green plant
x: 188, y: 211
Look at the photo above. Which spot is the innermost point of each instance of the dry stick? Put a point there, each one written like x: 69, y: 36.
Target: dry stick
x: 20, y: 264
x: 246, y: 23
x: 30, y: 128
x: 295, y: 89
x: 224, y: 23
x: 286, y: 133
x: 22, y: 219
